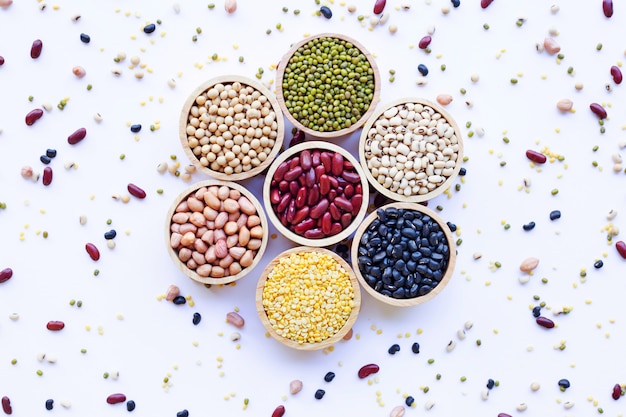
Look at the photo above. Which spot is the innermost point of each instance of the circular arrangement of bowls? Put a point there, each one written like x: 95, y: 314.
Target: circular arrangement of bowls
x: 384, y: 255
x: 298, y: 322
x: 311, y: 198
x: 319, y: 101
x: 411, y: 150
x: 197, y: 230
x: 231, y: 127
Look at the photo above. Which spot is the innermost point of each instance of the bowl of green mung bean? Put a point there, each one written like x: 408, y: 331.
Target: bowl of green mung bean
x: 327, y: 85
x: 231, y: 127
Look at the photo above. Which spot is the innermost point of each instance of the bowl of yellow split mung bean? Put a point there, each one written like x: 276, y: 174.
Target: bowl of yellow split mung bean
x: 308, y: 298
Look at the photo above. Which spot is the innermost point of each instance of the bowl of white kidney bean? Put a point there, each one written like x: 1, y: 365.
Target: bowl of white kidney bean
x: 315, y: 193
x: 403, y: 254
x: 216, y: 231
x: 411, y: 150
x: 231, y: 127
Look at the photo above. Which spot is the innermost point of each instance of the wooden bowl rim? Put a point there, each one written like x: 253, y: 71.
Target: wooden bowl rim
x: 301, y: 240
x: 406, y: 302
x: 280, y: 72
x: 332, y: 339
x: 419, y: 197
x: 230, y: 79
x: 260, y: 212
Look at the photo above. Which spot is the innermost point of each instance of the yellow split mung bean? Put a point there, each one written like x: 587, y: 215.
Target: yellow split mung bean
x: 308, y: 297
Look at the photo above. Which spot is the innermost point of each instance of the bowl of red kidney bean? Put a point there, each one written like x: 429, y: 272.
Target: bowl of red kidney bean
x: 403, y: 254
x: 315, y: 194
x: 216, y: 231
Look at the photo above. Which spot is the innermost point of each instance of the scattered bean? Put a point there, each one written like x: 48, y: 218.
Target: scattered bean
x: 329, y: 376
x: 116, y: 398
x: 136, y: 191
x: 415, y: 348
x: 425, y: 42
x: 230, y: 6
x: 179, y: 300
x: 565, y: 105
x: 182, y: 413
x: 616, y: 73
x: 35, y: 49
x: 93, y: 251
x: 367, y: 370
x: 77, y: 136
x: 544, y: 322
x: 55, y: 325
x: 379, y: 6
x: 235, y: 319
x: 149, y: 28
x: 79, y: 71
x: 444, y: 99
x: 551, y: 46
x: 49, y: 404
x: 607, y: 8
x: 393, y: 349
x: 5, y: 275
x: 32, y: 116
x: 555, y: 214
x: 397, y: 411
x: 319, y: 394
x: 196, y: 318
x: 485, y: 3
x: 47, y: 176
x: 279, y: 411
x: 130, y: 406
x: 598, y: 110
x: 536, y: 157
x: 621, y: 248
x: 617, y: 392
x: 326, y: 12
x: 504, y: 415
x: 295, y: 386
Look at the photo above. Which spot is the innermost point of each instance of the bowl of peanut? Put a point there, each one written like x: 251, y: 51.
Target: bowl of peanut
x: 216, y: 231
x: 231, y: 127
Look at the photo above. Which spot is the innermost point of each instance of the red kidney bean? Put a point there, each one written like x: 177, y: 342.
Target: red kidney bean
x: 35, y: 49
x: 334, y: 182
x: 379, y: 6
x: 294, y: 162
x: 6, y: 405
x: 314, y: 195
x: 301, y: 215
x: 544, y: 322
x: 346, y: 219
x: 319, y: 209
x: 55, y: 325
x: 136, y: 191
x: 294, y: 187
x: 334, y: 211
x: 358, y: 189
x: 327, y: 161
x: 327, y: 222
x: 279, y: 411
x: 301, y: 197
x: 337, y: 164
x: 424, y: 42
x: 77, y: 136
x: 621, y: 248
x: 284, y: 203
x: 503, y: 415
x: 116, y: 398
x: 293, y: 173
x: 616, y: 73
x: 304, y: 225
x: 598, y: 110
x: 298, y: 137
x: 357, y: 200
x: 5, y: 275
x: 281, y: 170
x: 536, y: 157
x: 351, y: 176
x: 305, y: 160
x: 291, y: 211
x: 316, y: 233
x: 348, y: 191
x: 347, y: 165
x: 310, y: 178
x: 485, y: 3
x: 335, y: 229
x: 93, y: 251
x: 343, y: 204
x: 367, y: 370
x: 32, y: 116
x: 607, y: 7
x: 283, y: 186
x: 47, y: 176
x: 1, y: 60
x: 324, y: 182
x: 275, y: 196
x: 617, y: 392
x: 315, y: 158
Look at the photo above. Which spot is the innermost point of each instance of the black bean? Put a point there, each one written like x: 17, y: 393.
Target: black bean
x: 598, y: 264
x: 462, y: 172
x: 49, y: 404
x: 409, y: 401
x: 45, y: 159
x: 490, y: 383
x: 326, y: 12
x: 529, y: 226
x: 179, y: 300
x: 423, y: 69
x: 393, y: 349
x: 149, y: 28
x: 536, y: 311
x: 135, y: 128
x: 415, y: 348
x: 456, y: 3
x: 564, y: 383
x: 452, y: 227
x: 51, y: 153
x: 84, y: 38
x: 329, y: 376
x: 555, y: 214
x: 319, y: 394
x: 110, y: 234
x: 196, y: 318
x: 130, y: 405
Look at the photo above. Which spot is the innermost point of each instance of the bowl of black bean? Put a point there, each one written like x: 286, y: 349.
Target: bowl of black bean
x: 403, y: 254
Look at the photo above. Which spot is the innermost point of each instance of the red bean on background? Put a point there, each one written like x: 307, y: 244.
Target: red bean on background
x: 616, y: 73
x: 6, y: 405
x: 379, y: 6
x: 535, y: 156
x: 367, y: 370
x: 47, y: 176
x: 116, y: 398
x: 93, y: 251
x: 617, y: 392
x: 621, y: 248
x: 136, y: 191
x: 77, y: 136
x: 607, y: 7
x: 35, y: 49
x: 5, y: 275
x: 544, y: 322
x: 485, y: 3
x: 279, y: 411
x: 598, y: 110
x: 32, y: 116
x: 424, y: 42
x: 55, y: 325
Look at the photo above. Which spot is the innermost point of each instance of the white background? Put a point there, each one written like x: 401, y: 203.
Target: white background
x: 147, y: 340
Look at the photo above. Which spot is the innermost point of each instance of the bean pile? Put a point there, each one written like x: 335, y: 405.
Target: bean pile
x: 308, y: 297
x: 231, y: 128
x: 316, y: 194
x: 403, y: 253
x: 216, y: 231
x: 328, y: 84
x: 411, y: 149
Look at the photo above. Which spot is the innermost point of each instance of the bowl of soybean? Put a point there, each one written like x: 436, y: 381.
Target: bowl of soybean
x: 231, y: 127
x: 315, y: 193
x: 411, y: 150
x: 308, y: 298
x: 403, y: 254
x: 216, y: 231
x: 327, y: 85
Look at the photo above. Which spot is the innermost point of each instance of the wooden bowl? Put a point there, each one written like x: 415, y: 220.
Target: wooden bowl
x: 372, y: 151
x: 299, y: 238
x: 280, y: 93
x: 350, y: 320
x: 404, y: 302
x: 198, y: 156
x: 174, y: 254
